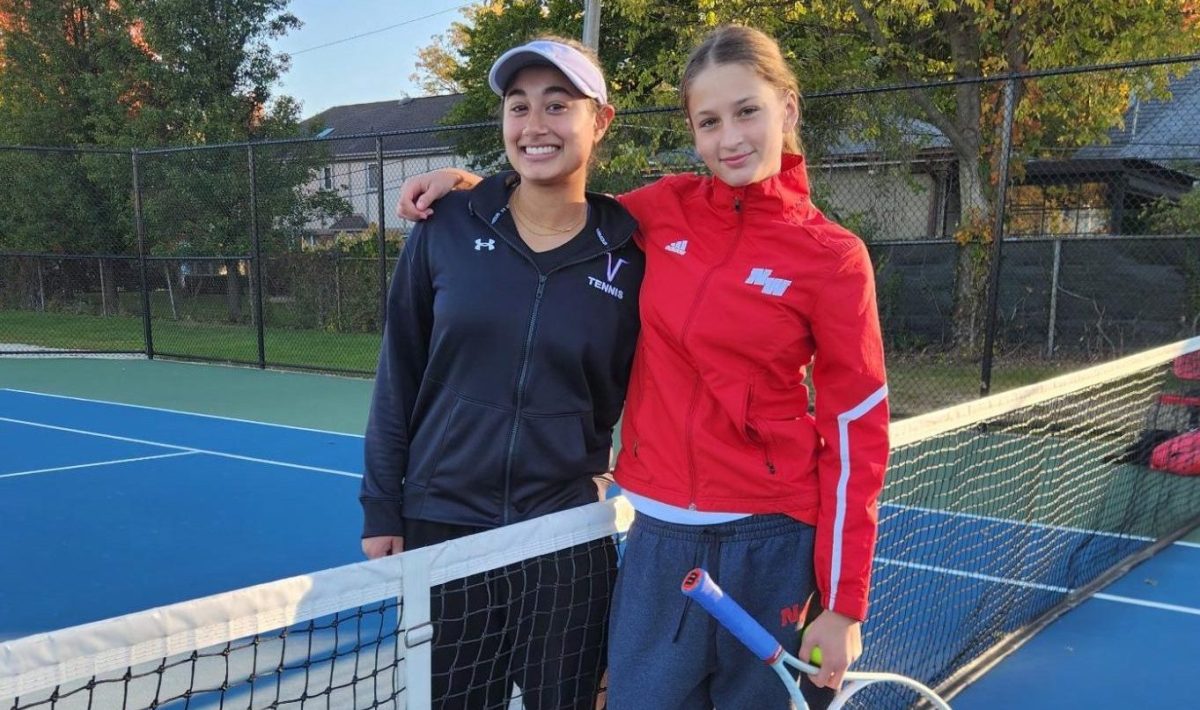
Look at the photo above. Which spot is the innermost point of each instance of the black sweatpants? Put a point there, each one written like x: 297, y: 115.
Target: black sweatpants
x: 539, y: 624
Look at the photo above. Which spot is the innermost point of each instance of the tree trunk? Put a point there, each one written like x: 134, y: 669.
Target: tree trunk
x: 233, y: 290
x: 974, y: 257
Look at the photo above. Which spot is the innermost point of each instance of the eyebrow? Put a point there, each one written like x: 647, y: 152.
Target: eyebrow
x: 738, y: 102
x: 555, y: 89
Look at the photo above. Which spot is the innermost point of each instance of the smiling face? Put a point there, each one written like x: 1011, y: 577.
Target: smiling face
x: 549, y: 127
x: 739, y: 121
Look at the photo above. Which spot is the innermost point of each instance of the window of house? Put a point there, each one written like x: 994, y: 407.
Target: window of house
x: 372, y: 176
x: 1077, y: 208
x: 327, y: 177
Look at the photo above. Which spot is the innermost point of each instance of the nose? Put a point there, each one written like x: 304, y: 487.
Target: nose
x: 731, y: 138
x: 534, y: 124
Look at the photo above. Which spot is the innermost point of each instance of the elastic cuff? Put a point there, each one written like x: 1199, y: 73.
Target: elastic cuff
x: 853, y: 608
x: 382, y: 518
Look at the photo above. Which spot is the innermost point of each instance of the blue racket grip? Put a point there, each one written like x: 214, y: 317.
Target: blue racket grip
x: 700, y: 587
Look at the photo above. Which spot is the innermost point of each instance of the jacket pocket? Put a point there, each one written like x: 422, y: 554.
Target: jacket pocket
x: 554, y: 459
x: 463, y: 461
x: 790, y: 446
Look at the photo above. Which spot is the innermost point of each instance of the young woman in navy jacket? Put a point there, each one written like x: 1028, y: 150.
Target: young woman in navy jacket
x: 511, y: 325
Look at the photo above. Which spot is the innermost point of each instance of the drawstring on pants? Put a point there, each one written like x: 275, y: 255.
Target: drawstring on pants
x: 710, y: 542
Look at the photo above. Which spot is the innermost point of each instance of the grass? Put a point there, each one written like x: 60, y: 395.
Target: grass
x: 231, y: 343
x: 213, y: 308
x: 917, y: 384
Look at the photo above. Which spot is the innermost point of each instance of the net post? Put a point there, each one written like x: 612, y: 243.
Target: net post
x: 417, y: 626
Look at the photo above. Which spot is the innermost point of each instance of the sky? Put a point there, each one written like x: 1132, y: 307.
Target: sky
x: 327, y: 71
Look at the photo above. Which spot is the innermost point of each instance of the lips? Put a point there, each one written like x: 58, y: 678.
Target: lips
x: 736, y: 161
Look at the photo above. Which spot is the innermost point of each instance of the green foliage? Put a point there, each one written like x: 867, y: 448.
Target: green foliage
x: 149, y: 73
x: 1168, y: 217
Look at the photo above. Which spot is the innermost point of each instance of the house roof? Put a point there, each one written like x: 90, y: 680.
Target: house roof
x: 383, y: 117
x: 349, y: 223
x: 919, y: 134
x: 1157, y: 130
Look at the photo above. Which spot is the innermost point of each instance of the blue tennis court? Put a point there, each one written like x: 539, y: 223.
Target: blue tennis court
x: 114, y: 508
x: 111, y: 509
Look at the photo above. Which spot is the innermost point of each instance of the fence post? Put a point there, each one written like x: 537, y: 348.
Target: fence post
x: 993, y: 300
x: 256, y: 270
x: 383, y: 272
x: 41, y: 285
x: 139, y: 227
x: 1054, y: 275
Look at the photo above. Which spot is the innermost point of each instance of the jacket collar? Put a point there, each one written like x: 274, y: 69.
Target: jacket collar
x: 786, y: 193
x: 615, y: 226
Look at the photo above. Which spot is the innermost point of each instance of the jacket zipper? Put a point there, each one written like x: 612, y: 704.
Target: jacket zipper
x: 763, y: 437
x: 689, y: 436
x: 521, y: 378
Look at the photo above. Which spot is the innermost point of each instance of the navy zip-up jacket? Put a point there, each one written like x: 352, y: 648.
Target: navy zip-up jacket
x: 498, y: 386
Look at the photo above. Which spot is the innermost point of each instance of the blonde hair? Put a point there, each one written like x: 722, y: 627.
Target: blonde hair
x: 734, y: 44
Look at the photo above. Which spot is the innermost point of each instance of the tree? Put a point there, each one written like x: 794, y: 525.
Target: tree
x: 148, y: 73
x: 974, y: 39
x: 855, y: 43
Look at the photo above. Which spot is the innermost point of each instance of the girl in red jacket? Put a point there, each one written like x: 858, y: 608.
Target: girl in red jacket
x: 748, y: 288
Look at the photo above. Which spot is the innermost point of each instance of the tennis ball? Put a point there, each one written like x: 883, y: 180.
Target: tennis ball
x: 815, y: 656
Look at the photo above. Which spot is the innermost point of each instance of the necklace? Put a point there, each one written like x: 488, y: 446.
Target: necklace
x: 539, y: 229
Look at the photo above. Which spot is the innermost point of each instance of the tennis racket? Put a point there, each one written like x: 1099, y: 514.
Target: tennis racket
x: 700, y: 587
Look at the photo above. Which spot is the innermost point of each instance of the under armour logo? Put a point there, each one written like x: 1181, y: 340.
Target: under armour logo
x: 770, y: 286
x: 480, y: 245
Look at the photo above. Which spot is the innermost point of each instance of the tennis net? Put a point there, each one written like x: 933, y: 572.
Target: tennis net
x: 1003, y: 513
x: 998, y: 514
x: 360, y: 636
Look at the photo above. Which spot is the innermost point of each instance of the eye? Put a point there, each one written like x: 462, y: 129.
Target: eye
x: 517, y: 108
x: 748, y: 111
x: 556, y: 107
x: 707, y: 122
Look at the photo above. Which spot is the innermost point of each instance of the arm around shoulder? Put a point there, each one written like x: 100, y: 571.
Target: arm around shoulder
x: 419, y: 192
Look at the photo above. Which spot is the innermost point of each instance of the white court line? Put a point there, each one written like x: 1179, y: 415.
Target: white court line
x: 222, y: 454
x: 1185, y: 543
x: 177, y: 411
x: 1041, y: 526
x: 1152, y: 605
x: 1036, y: 585
x: 974, y: 575
x: 98, y: 463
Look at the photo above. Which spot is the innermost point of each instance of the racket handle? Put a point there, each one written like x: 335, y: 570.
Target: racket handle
x: 700, y: 587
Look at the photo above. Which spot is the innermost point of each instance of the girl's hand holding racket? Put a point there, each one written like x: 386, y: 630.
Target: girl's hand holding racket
x: 699, y: 586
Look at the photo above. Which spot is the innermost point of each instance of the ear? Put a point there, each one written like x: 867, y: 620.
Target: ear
x: 791, y: 111
x: 604, y: 118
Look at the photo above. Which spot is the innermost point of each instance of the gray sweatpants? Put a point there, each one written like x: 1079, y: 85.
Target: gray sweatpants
x: 665, y: 652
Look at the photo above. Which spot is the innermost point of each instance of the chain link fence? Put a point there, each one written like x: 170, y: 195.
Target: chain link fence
x: 277, y: 254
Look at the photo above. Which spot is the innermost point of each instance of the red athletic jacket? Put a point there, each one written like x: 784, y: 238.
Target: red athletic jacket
x: 745, y: 289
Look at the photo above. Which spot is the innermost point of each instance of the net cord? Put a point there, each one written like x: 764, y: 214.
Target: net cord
x: 909, y: 431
